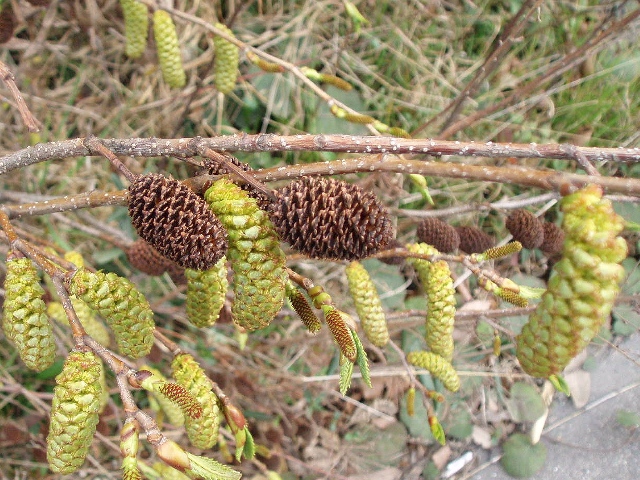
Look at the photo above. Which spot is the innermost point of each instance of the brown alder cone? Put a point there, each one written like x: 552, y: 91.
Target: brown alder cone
x: 331, y: 219
x: 147, y: 259
x: 176, y: 222
x: 474, y: 240
x: 526, y: 228
x: 553, y: 238
x: 438, y: 234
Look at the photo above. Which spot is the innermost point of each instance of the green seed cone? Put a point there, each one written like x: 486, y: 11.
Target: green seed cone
x: 136, y: 27
x: 582, y: 287
x: 226, y: 62
x: 441, y: 310
x: 168, y: 48
x: 438, y: 366
x: 202, y: 431
x: 206, y: 292
x: 25, y: 321
x: 368, y: 304
x: 74, y: 412
x: 256, y: 258
x: 123, y: 307
x: 94, y: 327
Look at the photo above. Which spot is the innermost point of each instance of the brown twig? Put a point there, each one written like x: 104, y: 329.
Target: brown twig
x: 29, y: 120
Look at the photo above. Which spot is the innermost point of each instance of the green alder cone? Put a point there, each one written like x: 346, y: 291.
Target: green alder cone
x: 168, y: 48
x: 74, y: 411
x: 206, y: 293
x: 202, y: 431
x: 25, y: 321
x: 582, y: 287
x: 123, y: 307
x: 256, y: 258
x: 368, y: 304
x: 438, y: 366
x: 136, y: 27
x: 441, y: 310
x: 226, y: 61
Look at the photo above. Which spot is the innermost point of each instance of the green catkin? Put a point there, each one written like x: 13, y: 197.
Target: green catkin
x: 206, y: 293
x: 256, y: 258
x: 435, y: 278
x: 168, y: 48
x: 368, y: 304
x: 25, y: 321
x: 123, y: 307
x: 136, y: 27
x: 202, y: 431
x: 225, y: 64
x: 441, y: 310
x: 438, y: 366
x: 74, y: 412
x: 582, y: 287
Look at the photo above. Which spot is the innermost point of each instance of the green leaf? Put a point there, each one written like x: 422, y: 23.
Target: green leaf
x: 458, y: 423
x: 560, y: 384
x: 626, y: 320
x: 628, y: 419
x: 249, y: 449
x: 418, y: 423
x: 362, y: 360
x: 346, y: 372
x: 437, y: 431
x: 521, y: 459
x: 525, y: 404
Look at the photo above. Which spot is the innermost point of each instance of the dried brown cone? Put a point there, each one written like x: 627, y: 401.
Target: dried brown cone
x: 176, y: 222
x: 526, y: 228
x: 553, y: 238
x: 331, y: 219
x: 474, y: 240
x: 147, y: 259
x: 393, y: 244
x: 438, y: 234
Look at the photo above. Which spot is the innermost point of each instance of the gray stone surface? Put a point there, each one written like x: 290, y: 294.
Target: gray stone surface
x: 589, y: 443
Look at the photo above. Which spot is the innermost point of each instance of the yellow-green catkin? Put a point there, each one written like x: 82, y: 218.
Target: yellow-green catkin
x: 168, y: 48
x: 256, y: 258
x: 435, y: 278
x: 582, y: 288
x: 225, y: 66
x: 368, y: 304
x: 129, y: 445
x: 171, y: 410
x: 92, y: 325
x: 123, y: 307
x: 206, y: 293
x: 25, y: 321
x: 441, y: 310
x: 202, y: 431
x: 74, y: 412
x: 136, y: 27
x: 438, y: 366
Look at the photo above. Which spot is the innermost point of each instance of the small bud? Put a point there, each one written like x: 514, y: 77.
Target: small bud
x: 263, y: 64
x: 411, y: 401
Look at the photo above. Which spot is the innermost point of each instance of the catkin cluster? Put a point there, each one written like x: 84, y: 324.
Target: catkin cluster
x: 582, y: 287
